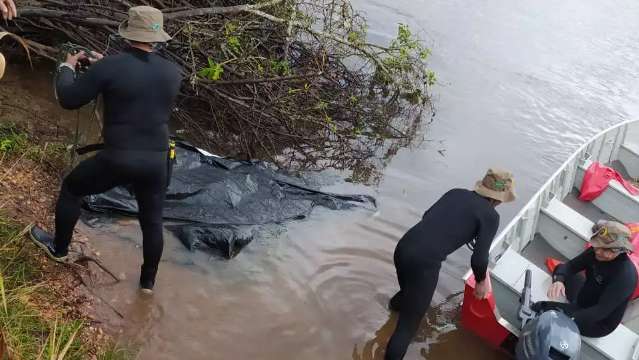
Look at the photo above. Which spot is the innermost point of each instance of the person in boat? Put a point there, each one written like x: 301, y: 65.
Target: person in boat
x: 139, y: 88
x: 597, y: 300
x: 459, y: 217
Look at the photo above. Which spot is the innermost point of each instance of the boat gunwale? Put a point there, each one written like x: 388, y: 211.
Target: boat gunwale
x: 534, y: 200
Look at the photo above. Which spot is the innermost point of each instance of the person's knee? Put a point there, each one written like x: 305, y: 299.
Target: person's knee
x: 67, y: 191
x: 593, y: 329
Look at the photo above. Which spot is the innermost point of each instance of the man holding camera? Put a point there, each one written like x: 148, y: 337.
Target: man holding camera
x: 139, y: 88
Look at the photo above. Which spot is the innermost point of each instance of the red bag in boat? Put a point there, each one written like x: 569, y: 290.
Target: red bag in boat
x: 596, y: 181
x: 634, y: 239
x: 634, y: 233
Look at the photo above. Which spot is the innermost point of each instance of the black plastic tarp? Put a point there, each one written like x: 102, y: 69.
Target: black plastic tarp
x: 219, y: 203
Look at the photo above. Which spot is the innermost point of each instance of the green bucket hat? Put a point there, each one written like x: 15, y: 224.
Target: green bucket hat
x: 145, y: 24
x: 497, y: 184
x: 610, y: 235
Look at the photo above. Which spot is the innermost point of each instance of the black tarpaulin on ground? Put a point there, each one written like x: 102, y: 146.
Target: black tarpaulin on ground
x: 220, y: 203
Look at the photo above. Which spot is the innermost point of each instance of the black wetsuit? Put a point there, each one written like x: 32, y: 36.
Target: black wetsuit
x: 139, y: 90
x: 598, y: 301
x: 458, y: 218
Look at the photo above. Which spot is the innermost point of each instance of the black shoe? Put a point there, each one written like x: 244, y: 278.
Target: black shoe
x: 147, y: 280
x: 46, y: 243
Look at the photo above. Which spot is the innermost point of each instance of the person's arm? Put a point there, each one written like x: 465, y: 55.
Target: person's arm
x: 488, y: 226
x: 577, y: 264
x: 74, y: 93
x: 558, y: 287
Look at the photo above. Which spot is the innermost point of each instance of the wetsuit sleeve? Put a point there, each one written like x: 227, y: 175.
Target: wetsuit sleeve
x: 74, y: 93
x: 573, y: 266
x: 479, y: 260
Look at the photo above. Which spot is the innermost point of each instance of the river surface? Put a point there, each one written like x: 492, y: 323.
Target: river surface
x: 521, y: 85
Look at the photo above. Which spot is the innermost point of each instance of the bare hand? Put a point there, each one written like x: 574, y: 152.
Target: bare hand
x: 556, y: 290
x: 483, y: 288
x: 74, y: 59
x: 8, y: 9
x: 95, y: 57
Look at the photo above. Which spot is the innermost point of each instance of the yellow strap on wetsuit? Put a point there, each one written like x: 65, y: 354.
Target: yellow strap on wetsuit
x: 172, y: 150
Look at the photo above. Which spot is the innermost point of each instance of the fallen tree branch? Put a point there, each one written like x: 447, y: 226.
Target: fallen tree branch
x: 266, y: 76
x: 219, y: 10
x: 258, y: 81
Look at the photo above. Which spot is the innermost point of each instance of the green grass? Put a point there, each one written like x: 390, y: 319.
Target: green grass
x: 27, y: 334
x: 117, y: 353
x: 14, y: 141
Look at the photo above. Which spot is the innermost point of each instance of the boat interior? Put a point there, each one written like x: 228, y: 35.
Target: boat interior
x: 555, y: 223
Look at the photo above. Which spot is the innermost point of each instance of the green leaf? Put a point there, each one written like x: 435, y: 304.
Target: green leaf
x: 321, y: 105
x: 212, y: 72
x: 233, y: 42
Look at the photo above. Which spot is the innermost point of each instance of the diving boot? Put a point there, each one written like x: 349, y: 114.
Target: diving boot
x: 147, y: 280
x: 46, y: 243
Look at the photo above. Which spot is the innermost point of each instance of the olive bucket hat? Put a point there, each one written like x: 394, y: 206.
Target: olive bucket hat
x: 497, y: 184
x: 611, y: 235
x: 145, y: 24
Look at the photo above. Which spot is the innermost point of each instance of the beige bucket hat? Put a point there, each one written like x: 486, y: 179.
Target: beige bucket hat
x: 610, y: 235
x: 145, y: 24
x: 3, y: 61
x: 3, y: 64
x: 497, y: 184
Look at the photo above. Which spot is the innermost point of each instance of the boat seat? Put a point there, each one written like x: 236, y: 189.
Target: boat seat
x: 615, y: 201
x: 564, y: 229
x: 510, y: 270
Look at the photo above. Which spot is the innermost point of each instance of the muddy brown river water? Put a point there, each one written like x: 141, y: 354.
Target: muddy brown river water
x: 521, y: 85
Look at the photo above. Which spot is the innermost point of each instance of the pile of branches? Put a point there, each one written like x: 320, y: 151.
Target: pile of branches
x: 291, y: 81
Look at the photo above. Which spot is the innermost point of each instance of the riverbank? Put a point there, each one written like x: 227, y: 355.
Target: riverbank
x: 46, y: 310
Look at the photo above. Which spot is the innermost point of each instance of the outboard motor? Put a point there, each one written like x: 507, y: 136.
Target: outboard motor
x: 550, y: 335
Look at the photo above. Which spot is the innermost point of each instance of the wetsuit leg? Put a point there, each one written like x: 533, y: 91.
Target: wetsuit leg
x: 150, y: 191
x: 150, y: 202
x: 91, y: 176
x: 574, y: 284
x: 594, y: 329
x: 395, y: 302
x: 416, y: 295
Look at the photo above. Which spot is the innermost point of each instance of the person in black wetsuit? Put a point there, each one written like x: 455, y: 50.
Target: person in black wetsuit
x: 459, y: 217
x: 598, y: 300
x: 139, y: 88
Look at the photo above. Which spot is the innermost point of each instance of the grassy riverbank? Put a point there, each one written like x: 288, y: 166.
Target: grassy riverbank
x: 38, y: 299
